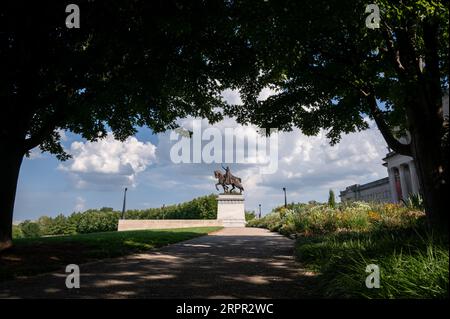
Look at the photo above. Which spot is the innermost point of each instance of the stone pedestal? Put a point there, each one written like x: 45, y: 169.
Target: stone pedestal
x: 230, y: 210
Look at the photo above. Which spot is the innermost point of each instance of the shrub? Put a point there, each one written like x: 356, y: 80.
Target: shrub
x: 414, y: 201
x: 97, y: 221
x: 313, y: 219
x: 45, y: 224
x: 106, y: 219
x: 16, y: 232
x: 204, y: 207
x: 331, y: 199
x: 250, y: 216
x: 338, y: 243
x: 29, y: 229
x: 271, y: 221
x: 61, y: 225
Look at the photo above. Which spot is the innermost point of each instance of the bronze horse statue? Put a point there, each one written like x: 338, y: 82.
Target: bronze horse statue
x: 234, y: 181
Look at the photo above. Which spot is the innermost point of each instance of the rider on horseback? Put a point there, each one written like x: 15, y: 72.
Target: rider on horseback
x: 228, y: 179
x: 227, y: 175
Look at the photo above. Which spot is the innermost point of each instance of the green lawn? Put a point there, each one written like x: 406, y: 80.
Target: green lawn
x: 31, y: 256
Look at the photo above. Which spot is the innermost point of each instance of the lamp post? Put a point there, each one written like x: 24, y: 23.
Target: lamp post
x: 285, y: 200
x: 260, y: 211
x: 124, y: 202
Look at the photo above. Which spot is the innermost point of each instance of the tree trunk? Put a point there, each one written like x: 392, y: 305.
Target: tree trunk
x: 11, y: 157
x: 428, y: 150
x: 433, y: 185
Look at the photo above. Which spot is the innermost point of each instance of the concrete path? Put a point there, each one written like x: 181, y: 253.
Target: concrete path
x: 231, y: 263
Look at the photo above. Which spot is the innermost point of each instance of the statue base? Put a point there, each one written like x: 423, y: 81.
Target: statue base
x: 230, y: 210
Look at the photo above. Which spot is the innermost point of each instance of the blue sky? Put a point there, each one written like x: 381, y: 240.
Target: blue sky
x: 96, y: 175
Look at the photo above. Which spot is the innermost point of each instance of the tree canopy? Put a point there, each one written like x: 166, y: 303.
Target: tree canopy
x: 331, y: 71
x: 131, y: 63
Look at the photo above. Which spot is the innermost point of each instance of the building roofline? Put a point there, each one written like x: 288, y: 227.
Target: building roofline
x: 389, y: 155
x: 357, y: 187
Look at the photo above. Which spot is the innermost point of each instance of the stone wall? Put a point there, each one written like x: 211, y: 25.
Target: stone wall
x: 140, y: 224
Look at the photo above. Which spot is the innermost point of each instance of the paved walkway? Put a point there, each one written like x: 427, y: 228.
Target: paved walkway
x: 231, y: 263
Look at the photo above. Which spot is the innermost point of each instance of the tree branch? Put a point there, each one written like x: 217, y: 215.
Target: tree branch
x: 45, y: 130
x: 393, y: 53
x: 52, y: 122
x: 392, y: 142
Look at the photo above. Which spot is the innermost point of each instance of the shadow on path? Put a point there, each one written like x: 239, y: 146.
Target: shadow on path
x: 232, y: 263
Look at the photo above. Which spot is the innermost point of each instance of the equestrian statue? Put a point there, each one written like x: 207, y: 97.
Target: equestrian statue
x: 228, y: 179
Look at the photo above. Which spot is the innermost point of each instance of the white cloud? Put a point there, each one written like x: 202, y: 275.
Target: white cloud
x: 308, y: 166
x: 108, y: 163
x: 63, y: 135
x: 35, y: 153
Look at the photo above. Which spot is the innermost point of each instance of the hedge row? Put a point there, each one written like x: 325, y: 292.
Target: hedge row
x: 106, y: 219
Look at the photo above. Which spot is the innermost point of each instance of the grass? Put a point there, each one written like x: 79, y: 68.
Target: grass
x: 338, y: 243
x: 412, y: 265
x: 31, y: 256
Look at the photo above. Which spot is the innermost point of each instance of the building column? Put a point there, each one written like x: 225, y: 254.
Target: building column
x: 403, y: 185
x: 414, y: 179
x: 391, y: 175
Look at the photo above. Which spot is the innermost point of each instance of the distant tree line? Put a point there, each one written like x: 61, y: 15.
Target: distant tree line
x: 106, y: 218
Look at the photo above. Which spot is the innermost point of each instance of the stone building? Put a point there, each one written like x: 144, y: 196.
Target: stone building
x: 376, y: 191
x: 402, y: 176
x: 401, y: 182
